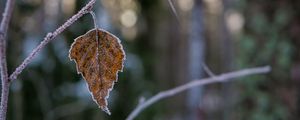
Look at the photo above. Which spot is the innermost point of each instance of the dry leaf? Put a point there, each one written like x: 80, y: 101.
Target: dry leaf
x: 98, y: 58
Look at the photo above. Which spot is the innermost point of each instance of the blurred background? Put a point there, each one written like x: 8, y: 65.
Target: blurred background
x: 164, y: 49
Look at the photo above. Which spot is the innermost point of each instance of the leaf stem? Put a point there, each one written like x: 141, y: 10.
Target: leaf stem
x: 94, y: 19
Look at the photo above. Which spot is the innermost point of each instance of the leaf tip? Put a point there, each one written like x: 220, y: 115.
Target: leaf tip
x: 106, y: 110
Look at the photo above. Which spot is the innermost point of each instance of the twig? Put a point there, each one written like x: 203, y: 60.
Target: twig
x: 7, y: 16
x: 207, y: 70
x: 4, y: 78
x: 220, y: 78
x: 50, y: 36
x: 3, y: 64
x: 174, y: 10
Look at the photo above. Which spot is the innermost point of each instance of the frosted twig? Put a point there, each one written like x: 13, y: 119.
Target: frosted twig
x: 4, y: 78
x: 7, y: 16
x: 195, y: 83
x: 50, y: 36
x: 3, y: 64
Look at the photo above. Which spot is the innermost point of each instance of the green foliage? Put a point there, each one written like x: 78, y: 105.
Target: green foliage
x: 265, y: 41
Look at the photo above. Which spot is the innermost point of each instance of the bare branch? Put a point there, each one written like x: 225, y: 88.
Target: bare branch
x: 220, y: 78
x: 207, y: 70
x: 4, y: 78
x: 174, y: 10
x: 3, y: 64
x: 50, y: 36
x: 7, y: 16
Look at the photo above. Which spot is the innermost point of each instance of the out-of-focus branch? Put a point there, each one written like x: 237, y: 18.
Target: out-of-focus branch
x: 50, y: 36
x: 174, y: 10
x: 207, y: 70
x: 3, y: 64
x: 215, y: 79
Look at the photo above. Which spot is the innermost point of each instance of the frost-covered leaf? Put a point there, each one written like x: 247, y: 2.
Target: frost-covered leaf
x: 99, y: 56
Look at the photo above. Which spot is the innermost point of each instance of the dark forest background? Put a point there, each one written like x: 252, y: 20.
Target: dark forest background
x: 164, y: 49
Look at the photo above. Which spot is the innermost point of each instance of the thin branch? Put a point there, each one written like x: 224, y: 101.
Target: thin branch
x: 50, y: 36
x: 4, y: 78
x: 220, y: 78
x: 7, y: 16
x: 3, y: 64
x: 174, y: 10
x: 207, y: 70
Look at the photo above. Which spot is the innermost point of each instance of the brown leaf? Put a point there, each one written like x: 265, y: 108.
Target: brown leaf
x: 98, y: 58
